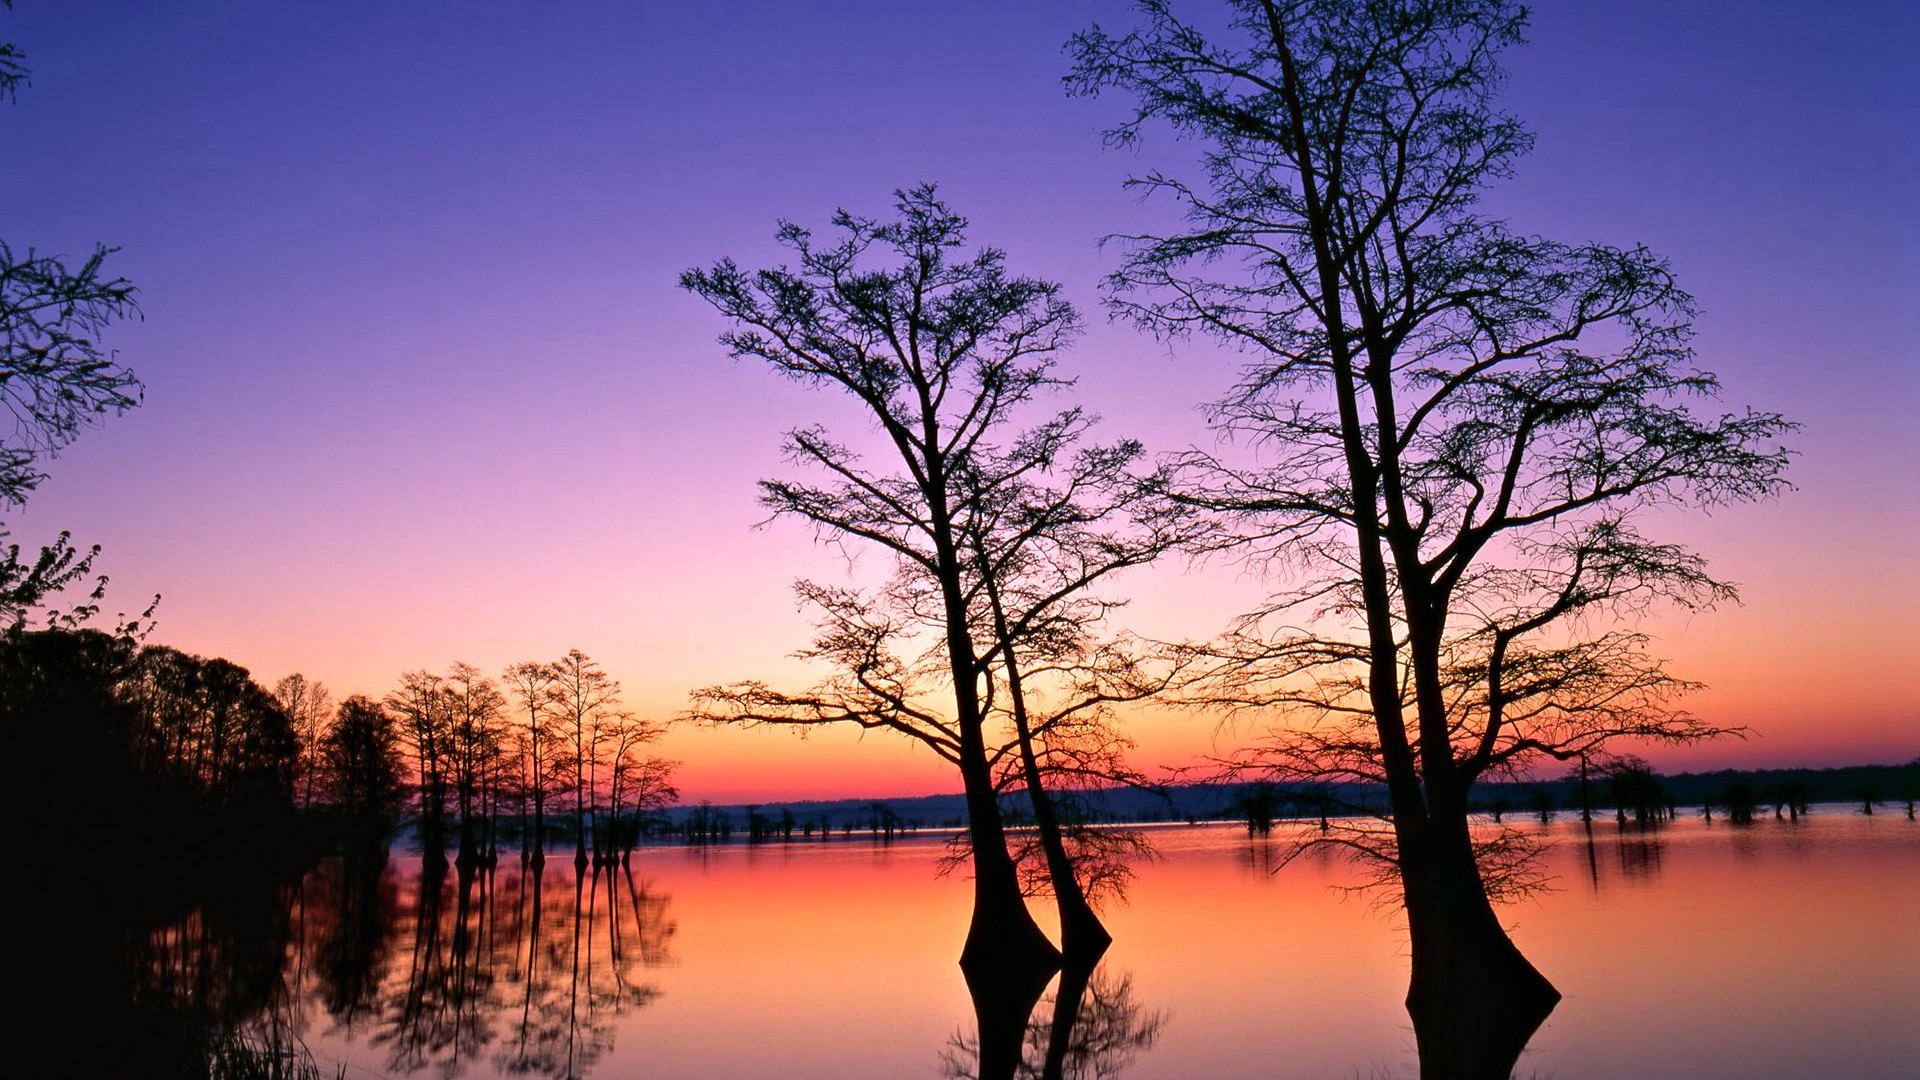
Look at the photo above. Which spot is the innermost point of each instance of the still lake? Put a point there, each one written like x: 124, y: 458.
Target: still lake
x: 1695, y: 950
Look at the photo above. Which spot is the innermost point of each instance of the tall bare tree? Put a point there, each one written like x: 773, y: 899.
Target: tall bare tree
x: 1048, y: 523
x: 1462, y: 425
x: 535, y: 688
x: 309, y: 708
x: 475, y: 721
x: 939, y: 350
x: 587, y: 704
x: 425, y: 719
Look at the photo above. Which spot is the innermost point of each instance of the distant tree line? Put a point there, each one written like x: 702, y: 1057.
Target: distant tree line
x: 547, y: 755
x: 152, y: 750
x: 165, y: 751
x: 1626, y: 789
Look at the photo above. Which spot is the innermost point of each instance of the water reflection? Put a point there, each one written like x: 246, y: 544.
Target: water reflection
x: 1090, y: 1028
x: 207, y: 996
x: 349, y: 945
x: 437, y: 967
x: 834, y: 961
x: 1639, y: 855
x: 1633, y: 854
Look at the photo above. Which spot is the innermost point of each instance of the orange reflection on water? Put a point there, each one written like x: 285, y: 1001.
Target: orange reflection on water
x: 1700, y: 950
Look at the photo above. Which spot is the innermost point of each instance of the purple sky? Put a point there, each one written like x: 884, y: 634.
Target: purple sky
x: 421, y: 388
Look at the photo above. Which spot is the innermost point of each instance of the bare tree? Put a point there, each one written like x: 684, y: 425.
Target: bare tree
x: 1461, y: 425
x: 1050, y: 522
x: 309, y: 707
x: 587, y: 704
x: 475, y: 719
x: 939, y: 350
x: 423, y: 711
x: 638, y: 780
x: 535, y: 690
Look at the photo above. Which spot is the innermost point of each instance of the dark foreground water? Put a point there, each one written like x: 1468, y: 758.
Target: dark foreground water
x: 1698, y: 950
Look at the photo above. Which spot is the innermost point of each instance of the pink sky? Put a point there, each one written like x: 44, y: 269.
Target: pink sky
x: 420, y: 387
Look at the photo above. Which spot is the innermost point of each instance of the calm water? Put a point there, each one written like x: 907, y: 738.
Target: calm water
x: 1699, y: 950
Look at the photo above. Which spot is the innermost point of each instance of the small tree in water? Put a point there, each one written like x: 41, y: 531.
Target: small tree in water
x: 1462, y: 425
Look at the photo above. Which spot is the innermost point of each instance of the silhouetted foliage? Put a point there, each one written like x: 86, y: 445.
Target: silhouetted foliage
x: 424, y: 716
x: 1046, y: 526
x: 1740, y: 800
x: 181, y: 754
x: 363, y: 765
x: 309, y: 708
x: 588, y: 704
x: 55, y: 379
x: 1636, y: 791
x: 482, y: 767
x: 540, y: 746
x: 1462, y: 424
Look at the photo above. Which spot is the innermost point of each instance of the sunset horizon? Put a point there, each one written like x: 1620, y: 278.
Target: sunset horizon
x: 597, y: 538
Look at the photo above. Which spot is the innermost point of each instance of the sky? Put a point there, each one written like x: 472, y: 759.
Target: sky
x: 421, y: 387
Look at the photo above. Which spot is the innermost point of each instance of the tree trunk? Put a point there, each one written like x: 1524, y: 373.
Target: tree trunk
x: 1474, y: 999
x: 1082, y: 935
x: 1004, y: 946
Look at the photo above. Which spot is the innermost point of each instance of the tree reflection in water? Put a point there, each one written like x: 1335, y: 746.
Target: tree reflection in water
x: 1090, y: 1028
x: 207, y: 997
x: 444, y: 968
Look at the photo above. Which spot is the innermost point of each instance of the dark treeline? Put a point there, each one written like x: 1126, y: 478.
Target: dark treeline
x: 1627, y: 785
x: 757, y: 824
x: 1893, y: 783
x: 177, y: 756
x: 165, y: 755
x: 197, y: 801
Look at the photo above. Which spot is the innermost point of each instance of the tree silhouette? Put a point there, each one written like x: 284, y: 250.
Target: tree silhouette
x: 1048, y: 522
x: 639, y: 782
x: 475, y: 719
x: 587, y: 703
x: 55, y: 379
x: 186, y: 756
x: 425, y: 720
x: 939, y: 350
x: 1462, y: 424
x: 309, y: 708
x: 364, y: 766
x: 534, y: 687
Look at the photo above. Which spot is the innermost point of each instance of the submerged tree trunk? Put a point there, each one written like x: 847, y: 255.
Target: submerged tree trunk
x: 1004, y: 946
x: 1474, y: 999
x: 1082, y: 935
x: 1002, y: 1004
x: 1066, y: 1014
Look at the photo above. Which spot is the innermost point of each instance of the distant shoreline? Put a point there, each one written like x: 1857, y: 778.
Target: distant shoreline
x: 1889, y: 783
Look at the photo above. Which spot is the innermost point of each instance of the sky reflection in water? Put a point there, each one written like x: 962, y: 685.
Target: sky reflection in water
x: 1698, y: 950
